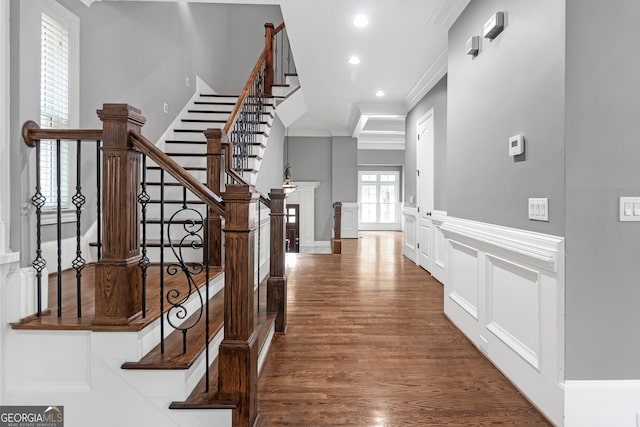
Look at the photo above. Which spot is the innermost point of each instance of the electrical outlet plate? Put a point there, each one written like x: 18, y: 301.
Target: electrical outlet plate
x: 539, y: 209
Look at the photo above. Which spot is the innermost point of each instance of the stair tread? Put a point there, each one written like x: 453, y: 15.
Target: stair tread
x: 173, y: 357
x: 199, y: 398
x: 189, y: 168
x: 183, y: 154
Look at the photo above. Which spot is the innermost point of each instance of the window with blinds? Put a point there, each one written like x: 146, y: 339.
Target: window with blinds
x: 54, y: 108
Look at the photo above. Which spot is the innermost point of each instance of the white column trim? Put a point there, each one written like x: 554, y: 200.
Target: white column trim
x: 304, y: 195
x: 5, y: 108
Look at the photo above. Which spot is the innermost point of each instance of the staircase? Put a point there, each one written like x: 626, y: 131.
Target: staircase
x: 151, y: 339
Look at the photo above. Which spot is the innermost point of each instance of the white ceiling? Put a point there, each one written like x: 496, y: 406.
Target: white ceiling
x: 403, y: 53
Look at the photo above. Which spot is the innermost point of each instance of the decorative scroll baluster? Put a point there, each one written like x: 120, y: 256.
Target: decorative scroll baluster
x: 38, y: 200
x: 78, y: 200
x: 193, y: 229
x: 144, y: 199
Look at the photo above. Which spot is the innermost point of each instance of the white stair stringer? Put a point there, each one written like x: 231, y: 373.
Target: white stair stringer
x: 81, y: 370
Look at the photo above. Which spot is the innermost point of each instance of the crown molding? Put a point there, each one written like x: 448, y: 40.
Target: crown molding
x: 429, y: 79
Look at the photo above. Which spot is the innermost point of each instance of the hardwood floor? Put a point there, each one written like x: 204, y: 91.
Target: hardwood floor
x: 368, y: 345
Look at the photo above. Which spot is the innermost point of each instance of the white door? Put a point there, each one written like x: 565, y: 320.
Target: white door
x: 424, y: 180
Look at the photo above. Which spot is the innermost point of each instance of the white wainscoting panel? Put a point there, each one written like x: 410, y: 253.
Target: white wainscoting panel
x: 440, y: 247
x: 349, y: 220
x: 463, y: 280
x: 504, y: 288
x: 410, y: 235
x: 602, y: 403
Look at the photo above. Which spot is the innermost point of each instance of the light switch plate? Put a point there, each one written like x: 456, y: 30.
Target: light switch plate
x: 629, y: 209
x: 539, y: 209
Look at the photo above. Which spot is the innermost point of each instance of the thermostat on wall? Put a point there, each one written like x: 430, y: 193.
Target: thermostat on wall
x: 516, y: 145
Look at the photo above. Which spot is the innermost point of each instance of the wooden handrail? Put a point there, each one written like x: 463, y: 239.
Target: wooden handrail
x: 245, y: 92
x: 278, y: 29
x: 31, y: 132
x: 178, y: 172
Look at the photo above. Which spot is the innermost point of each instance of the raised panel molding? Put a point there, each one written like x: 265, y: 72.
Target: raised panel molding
x: 349, y: 220
x: 440, y: 246
x: 410, y: 232
x: 517, y: 317
x: 463, y: 279
x: 517, y: 323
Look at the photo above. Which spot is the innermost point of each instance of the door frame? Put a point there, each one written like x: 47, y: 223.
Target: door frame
x: 425, y: 165
x: 296, y: 207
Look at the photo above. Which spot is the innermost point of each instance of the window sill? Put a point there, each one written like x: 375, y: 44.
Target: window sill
x: 50, y: 216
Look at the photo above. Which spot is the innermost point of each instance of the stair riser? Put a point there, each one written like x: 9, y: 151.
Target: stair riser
x: 196, y: 136
x: 202, y: 126
x: 233, y: 99
x: 292, y: 81
x: 212, y: 106
x: 221, y: 117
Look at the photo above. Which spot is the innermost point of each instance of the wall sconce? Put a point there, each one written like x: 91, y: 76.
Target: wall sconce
x: 493, y: 26
x: 473, y: 46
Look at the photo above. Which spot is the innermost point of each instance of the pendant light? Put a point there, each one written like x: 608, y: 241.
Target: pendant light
x: 287, y: 185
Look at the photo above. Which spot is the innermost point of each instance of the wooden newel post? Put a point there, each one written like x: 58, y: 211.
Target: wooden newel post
x: 277, y: 281
x: 118, y: 291
x: 268, y: 40
x: 238, y: 355
x: 214, y: 174
x: 336, y: 242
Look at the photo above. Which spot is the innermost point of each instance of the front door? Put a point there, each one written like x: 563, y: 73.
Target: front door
x: 425, y: 177
x: 293, y: 228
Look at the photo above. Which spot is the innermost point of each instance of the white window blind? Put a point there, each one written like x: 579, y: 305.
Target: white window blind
x: 54, y: 107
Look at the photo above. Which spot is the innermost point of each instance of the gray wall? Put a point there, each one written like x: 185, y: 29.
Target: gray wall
x: 271, y: 168
x: 383, y: 160
x: 436, y: 99
x: 246, y: 26
x: 344, y: 154
x: 602, y: 152
x: 135, y: 52
x: 515, y: 85
x: 310, y: 159
x: 381, y: 157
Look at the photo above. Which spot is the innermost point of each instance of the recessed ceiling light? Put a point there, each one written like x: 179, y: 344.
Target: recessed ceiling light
x: 354, y: 60
x: 379, y: 93
x: 361, y: 21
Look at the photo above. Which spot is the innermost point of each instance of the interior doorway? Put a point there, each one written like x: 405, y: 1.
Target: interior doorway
x: 292, y: 233
x: 425, y: 190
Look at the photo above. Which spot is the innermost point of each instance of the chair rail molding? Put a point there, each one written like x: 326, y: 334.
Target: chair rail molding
x: 504, y: 289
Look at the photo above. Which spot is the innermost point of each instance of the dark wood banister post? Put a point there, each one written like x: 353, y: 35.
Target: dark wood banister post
x: 268, y: 40
x: 277, y: 281
x: 336, y: 242
x: 118, y: 292
x: 238, y: 355
x: 214, y: 173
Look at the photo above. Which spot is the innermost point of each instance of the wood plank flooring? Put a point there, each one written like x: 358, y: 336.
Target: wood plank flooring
x: 368, y: 345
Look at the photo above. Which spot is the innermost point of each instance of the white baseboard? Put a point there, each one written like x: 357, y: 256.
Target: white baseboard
x: 602, y: 403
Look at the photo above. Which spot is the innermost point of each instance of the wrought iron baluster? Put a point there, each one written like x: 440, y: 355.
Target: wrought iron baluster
x: 193, y: 229
x: 38, y: 200
x: 99, y: 198
x: 143, y: 199
x: 59, y: 222
x: 162, y: 315
x: 207, y: 257
x: 78, y: 201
